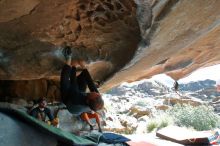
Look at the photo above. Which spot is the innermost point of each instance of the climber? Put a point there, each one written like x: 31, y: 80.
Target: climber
x: 41, y: 112
x: 176, y: 86
x: 73, y: 85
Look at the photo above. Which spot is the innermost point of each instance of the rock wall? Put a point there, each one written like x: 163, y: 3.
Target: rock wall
x: 32, y: 33
x: 31, y: 38
x: 183, y: 37
x: 30, y: 90
x: 120, y: 40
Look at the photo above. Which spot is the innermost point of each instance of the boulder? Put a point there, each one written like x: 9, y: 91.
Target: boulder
x: 173, y: 101
x: 138, y: 112
x: 162, y: 107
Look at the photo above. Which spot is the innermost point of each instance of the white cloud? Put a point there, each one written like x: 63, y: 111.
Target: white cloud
x: 164, y: 79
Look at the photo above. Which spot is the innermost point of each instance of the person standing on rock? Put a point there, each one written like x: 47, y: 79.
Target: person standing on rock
x: 176, y: 86
x: 73, y: 86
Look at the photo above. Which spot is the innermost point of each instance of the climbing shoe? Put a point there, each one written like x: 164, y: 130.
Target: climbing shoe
x: 91, y: 127
x: 67, y: 52
x: 100, y: 130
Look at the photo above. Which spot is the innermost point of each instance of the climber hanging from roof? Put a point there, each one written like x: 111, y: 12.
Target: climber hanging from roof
x: 73, y: 85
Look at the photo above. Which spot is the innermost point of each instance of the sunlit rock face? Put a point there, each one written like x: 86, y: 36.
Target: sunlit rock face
x: 183, y: 37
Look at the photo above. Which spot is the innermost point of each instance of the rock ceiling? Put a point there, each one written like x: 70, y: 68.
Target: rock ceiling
x: 32, y: 36
x: 184, y: 36
x: 120, y: 40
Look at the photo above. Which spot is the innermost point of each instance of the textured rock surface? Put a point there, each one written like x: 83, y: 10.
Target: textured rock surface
x: 184, y: 36
x: 30, y: 89
x: 10, y: 10
x: 104, y: 32
x: 32, y: 31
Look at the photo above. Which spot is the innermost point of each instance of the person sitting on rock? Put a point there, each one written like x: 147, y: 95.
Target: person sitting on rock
x: 86, y: 116
x: 41, y: 112
x: 73, y: 85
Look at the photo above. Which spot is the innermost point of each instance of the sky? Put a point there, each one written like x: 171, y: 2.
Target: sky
x: 211, y: 72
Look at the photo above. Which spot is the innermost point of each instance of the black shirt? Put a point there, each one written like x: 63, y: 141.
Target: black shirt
x: 42, y: 113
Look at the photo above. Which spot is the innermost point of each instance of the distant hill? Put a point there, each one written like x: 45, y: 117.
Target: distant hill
x: 201, y: 89
x: 146, y: 88
x: 199, y: 85
x: 204, y: 90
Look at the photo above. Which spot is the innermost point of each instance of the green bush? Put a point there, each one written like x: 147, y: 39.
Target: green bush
x: 200, y: 118
x: 161, y: 120
x: 151, y: 126
x: 163, y: 123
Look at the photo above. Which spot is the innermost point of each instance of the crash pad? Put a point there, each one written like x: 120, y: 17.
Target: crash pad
x: 185, y: 136
x: 113, y: 138
x: 106, y: 137
x: 140, y: 143
x: 58, y: 134
x: 13, y: 132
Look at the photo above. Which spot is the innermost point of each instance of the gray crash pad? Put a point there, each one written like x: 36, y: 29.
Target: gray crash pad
x: 19, y: 129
